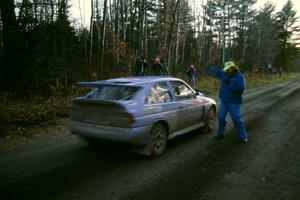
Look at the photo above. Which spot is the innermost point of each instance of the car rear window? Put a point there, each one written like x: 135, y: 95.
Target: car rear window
x: 112, y: 92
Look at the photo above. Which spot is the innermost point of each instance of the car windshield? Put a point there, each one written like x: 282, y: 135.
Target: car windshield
x: 112, y: 92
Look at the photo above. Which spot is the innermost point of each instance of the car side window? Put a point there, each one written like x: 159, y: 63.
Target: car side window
x: 159, y: 93
x: 181, y: 90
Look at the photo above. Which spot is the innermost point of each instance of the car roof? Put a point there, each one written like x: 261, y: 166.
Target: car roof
x: 131, y: 81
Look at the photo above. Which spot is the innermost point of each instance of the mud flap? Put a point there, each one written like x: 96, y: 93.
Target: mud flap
x: 143, y: 150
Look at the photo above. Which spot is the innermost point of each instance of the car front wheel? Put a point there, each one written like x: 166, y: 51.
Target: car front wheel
x: 210, y: 120
x: 158, y: 139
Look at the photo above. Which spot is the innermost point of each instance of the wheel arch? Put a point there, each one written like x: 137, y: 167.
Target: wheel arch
x: 165, y: 124
x: 213, y: 106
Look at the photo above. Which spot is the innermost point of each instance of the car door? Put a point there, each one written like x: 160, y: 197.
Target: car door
x: 159, y: 105
x: 190, y: 111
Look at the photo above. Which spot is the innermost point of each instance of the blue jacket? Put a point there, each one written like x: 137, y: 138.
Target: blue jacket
x: 232, y: 88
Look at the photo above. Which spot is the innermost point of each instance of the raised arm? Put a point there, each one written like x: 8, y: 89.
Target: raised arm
x: 215, y: 71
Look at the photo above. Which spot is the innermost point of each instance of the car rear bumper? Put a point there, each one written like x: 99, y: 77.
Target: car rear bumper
x: 135, y: 136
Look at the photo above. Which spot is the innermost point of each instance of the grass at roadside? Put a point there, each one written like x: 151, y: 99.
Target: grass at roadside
x: 25, y: 118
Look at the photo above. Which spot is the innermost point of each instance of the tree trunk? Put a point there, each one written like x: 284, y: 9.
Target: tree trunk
x: 170, y: 33
x: 183, y: 45
x: 103, y: 31
x: 116, y: 36
x: 92, y: 71
x: 10, y: 39
x: 9, y: 26
x: 176, y: 59
x: 145, y: 30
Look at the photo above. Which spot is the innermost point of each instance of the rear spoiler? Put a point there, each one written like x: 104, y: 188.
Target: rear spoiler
x: 93, y: 84
x: 98, y: 83
x: 97, y: 102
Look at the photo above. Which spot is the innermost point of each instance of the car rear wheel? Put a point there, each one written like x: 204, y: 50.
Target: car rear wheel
x: 158, y: 139
x: 210, y: 120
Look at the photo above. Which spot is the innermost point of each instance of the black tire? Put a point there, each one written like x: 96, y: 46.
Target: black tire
x: 158, y: 139
x: 210, y: 120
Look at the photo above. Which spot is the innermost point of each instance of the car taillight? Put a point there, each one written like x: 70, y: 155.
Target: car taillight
x: 131, y: 119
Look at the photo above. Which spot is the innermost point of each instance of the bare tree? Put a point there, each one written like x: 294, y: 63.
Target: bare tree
x: 103, y: 34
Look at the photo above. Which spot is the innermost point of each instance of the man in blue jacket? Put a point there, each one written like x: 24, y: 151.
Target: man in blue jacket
x: 232, y: 88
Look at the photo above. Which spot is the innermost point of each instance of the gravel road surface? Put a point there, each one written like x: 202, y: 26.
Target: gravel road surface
x: 195, y: 166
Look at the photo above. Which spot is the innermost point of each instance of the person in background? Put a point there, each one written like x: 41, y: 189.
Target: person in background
x: 141, y: 67
x: 191, y: 73
x: 157, y: 67
x: 280, y: 71
x: 231, y: 90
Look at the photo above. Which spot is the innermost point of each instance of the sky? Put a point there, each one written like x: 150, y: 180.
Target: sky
x: 85, y: 7
x: 279, y: 5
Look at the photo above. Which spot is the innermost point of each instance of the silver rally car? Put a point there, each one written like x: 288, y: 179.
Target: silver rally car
x: 144, y: 112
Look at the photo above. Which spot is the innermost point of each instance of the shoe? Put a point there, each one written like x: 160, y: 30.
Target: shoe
x: 219, y: 137
x: 244, y: 140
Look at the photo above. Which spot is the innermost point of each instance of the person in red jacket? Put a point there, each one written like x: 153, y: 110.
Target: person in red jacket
x: 157, y: 67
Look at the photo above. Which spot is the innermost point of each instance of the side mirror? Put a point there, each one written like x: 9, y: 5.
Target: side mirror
x: 200, y: 93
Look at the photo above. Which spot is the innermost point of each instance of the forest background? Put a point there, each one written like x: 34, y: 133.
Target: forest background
x: 44, y: 53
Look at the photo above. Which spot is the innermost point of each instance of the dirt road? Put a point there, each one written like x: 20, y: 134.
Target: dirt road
x: 194, y: 166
